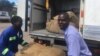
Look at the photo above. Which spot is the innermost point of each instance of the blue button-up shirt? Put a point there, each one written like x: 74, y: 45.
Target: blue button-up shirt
x: 75, y: 42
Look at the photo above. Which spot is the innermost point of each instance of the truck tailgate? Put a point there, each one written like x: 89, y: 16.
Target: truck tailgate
x: 45, y: 33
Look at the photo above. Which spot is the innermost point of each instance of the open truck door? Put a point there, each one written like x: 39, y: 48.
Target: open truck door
x: 90, y: 24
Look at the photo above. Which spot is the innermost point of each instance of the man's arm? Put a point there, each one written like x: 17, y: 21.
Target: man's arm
x: 7, y: 52
x: 21, y: 41
x: 73, y: 45
x: 5, y: 39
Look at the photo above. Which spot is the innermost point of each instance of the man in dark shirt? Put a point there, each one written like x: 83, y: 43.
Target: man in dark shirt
x: 11, y: 37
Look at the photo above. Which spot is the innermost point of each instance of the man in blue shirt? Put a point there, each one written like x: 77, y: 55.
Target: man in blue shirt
x: 75, y: 43
x: 11, y: 37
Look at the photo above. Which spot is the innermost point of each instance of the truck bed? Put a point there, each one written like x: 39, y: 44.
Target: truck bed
x: 56, y: 39
x: 46, y: 34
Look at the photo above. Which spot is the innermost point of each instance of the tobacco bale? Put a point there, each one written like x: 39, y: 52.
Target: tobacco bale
x: 41, y: 50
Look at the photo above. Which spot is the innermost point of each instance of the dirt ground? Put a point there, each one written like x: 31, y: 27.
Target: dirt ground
x: 4, y: 25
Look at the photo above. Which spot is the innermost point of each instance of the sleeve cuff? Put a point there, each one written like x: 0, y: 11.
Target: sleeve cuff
x: 24, y: 43
x: 5, y: 51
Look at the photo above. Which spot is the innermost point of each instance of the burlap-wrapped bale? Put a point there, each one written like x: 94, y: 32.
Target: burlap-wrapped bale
x: 52, y: 26
x: 41, y: 50
x: 74, y: 18
x: 52, y: 51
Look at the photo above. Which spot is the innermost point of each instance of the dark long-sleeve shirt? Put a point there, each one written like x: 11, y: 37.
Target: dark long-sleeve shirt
x: 9, y: 40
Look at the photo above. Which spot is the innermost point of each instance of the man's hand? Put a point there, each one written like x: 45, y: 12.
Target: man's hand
x: 28, y: 45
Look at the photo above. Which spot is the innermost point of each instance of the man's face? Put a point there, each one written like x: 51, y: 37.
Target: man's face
x: 63, y: 23
x: 18, y: 24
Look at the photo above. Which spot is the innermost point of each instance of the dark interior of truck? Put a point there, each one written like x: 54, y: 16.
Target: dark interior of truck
x: 60, y: 6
